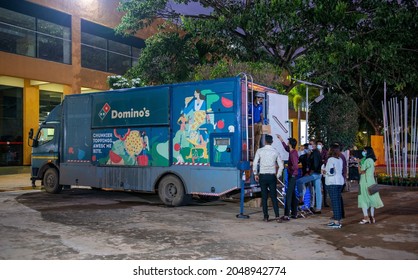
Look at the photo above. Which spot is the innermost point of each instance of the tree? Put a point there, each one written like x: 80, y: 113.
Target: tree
x: 262, y: 72
x: 372, y: 42
x: 119, y: 82
x: 167, y: 58
x: 334, y: 119
x: 273, y: 31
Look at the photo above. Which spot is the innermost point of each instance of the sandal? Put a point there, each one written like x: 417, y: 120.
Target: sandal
x: 372, y: 220
x: 363, y: 222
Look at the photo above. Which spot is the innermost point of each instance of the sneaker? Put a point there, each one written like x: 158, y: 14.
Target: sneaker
x: 330, y: 224
x: 285, y: 218
x: 334, y: 225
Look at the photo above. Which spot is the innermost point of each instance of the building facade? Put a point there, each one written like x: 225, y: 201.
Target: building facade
x: 50, y: 48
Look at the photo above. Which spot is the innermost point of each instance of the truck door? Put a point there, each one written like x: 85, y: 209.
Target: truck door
x: 45, y: 149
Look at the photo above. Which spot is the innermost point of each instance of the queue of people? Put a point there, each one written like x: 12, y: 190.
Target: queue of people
x: 324, y: 173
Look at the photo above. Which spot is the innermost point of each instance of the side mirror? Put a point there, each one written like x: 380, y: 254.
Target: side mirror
x: 34, y: 142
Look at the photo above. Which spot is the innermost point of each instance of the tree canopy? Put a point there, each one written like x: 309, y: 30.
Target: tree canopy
x: 167, y: 58
x: 275, y: 31
x: 372, y: 43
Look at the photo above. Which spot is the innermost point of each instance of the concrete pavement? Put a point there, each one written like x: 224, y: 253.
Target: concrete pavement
x: 394, y: 236
x: 12, y: 182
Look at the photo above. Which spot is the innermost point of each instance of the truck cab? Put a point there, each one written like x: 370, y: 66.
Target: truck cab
x: 45, y: 152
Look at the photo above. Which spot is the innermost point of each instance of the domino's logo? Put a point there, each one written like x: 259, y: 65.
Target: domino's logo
x: 103, y: 112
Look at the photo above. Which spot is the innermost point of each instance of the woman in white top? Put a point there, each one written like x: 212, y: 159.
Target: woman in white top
x: 334, y: 181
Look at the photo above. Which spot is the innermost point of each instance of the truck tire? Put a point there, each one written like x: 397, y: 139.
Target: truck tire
x: 171, y: 191
x: 51, y: 181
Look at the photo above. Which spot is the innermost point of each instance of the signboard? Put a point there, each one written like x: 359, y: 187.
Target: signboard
x: 133, y: 107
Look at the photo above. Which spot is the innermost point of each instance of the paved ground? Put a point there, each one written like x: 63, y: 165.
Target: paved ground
x: 86, y: 224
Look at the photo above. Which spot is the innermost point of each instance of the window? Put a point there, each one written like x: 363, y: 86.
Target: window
x: 45, y: 135
x: 53, y: 42
x: 93, y: 52
x: 36, y: 36
x: 17, y: 32
x: 11, y: 128
x: 102, y: 50
x: 48, y: 100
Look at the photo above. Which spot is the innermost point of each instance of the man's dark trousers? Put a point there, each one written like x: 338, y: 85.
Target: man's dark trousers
x: 268, y: 184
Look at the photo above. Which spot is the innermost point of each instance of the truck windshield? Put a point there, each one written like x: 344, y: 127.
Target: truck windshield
x: 45, y: 135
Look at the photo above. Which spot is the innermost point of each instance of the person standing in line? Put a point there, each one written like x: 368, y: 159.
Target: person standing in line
x: 256, y: 111
x: 291, y: 200
x: 344, y: 159
x: 303, y: 160
x: 324, y: 156
x: 268, y: 158
x: 365, y: 200
x: 314, y: 175
x: 334, y: 181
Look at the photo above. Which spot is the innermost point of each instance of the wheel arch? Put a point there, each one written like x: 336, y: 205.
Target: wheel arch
x: 45, y: 167
x: 163, y: 175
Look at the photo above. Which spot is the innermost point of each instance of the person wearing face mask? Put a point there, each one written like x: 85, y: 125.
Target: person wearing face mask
x: 255, y: 110
x: 291, y: 200
x: 324, y: 156
x: 314, y: 176
x: 365, y: 200
x: 333, y: 172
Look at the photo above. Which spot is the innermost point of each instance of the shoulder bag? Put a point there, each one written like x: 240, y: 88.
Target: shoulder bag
x: 373, y: 189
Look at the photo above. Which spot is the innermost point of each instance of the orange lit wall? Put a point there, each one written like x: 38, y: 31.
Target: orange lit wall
x: 378, y: 148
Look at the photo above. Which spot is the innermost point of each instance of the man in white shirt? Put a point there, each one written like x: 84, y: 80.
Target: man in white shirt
x: 268, y: 158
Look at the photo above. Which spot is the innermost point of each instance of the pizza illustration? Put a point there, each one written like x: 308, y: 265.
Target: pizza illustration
x: 134, y: 143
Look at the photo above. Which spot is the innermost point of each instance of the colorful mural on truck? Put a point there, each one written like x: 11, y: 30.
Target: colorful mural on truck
x: 201, y: 112
x: 131, y: 146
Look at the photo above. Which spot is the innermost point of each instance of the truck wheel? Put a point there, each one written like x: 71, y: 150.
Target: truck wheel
x: 51, y: 181
x: 171, y: 191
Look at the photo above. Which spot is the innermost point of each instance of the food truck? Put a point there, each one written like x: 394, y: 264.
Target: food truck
x: 177, y: 140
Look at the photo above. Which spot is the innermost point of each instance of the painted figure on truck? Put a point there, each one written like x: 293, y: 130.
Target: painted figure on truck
x: 197, y: 120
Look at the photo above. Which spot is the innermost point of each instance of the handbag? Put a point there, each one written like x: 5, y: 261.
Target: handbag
x: 373, y: 189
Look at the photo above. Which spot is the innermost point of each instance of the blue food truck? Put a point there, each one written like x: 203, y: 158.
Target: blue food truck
x: 178, y: 140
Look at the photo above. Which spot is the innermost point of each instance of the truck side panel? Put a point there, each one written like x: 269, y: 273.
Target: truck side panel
x: 76, y: 124
x: 197, y: 180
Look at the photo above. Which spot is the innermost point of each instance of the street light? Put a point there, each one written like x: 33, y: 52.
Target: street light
x: 318, y: 99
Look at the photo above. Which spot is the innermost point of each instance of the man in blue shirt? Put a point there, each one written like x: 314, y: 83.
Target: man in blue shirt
x: 256, y: 111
